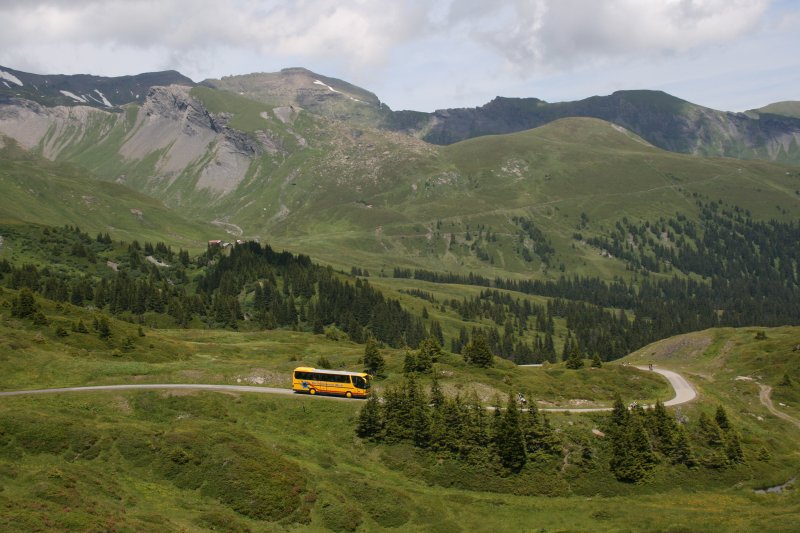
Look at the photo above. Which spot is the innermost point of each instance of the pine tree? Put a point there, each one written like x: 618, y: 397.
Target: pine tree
x: 477, y: 352
x: 733, y: 447
x: 509, y: 440
x: 575, y: 361
x: 682, y: 452
x: 619, y: 417
x: 24, y: 304
x: 710, y: 431
x: 722, y: 419
x: 596, y: 361
x: 410, y: 362
x: 103, y: 328
x: 632, y: 454
x: 370, y: 421
x: 437, y: 396
x: 374, y: 363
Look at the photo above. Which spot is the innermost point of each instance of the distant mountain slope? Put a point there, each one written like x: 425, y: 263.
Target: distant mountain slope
x: 83, y: 89
x: 661, y: 119
x: 788, y: 109
x: 33, y: 189
x: 299, y: 87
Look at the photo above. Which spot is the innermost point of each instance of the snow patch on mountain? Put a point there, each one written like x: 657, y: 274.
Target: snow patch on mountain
x: 105, y: 100
x: 317, y: 82
x: 73, y: 96
x: 10, y: 77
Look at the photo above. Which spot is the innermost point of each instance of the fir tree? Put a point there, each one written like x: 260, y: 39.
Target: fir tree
x: 370, y: 421
x: 722, y: 419
x: 596, y: 361
x: 437, y: 396
x: 710, y: 431
x: 374, y: 363
x: 103, y: 328
x: 681, y: 451
x: 409, y: 362
x: 632, y: 453
x: 575, y: 361
x: 733, y: 447
x: 24, y: 305
x: 477, y: 352
x: 509, y: 440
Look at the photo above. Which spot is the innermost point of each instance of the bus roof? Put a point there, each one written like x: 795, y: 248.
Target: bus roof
x: 326, y: 371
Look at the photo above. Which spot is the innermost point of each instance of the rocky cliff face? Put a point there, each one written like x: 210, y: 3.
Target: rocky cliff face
x: 171, y: 143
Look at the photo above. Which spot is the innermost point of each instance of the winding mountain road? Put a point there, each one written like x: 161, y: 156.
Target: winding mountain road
x: 684, y: 392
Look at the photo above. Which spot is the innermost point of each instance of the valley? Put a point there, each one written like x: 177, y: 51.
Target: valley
x: 208, y: 238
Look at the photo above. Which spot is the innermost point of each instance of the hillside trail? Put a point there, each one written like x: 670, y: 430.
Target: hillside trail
x: 684, y: 392
x: 763, y: 396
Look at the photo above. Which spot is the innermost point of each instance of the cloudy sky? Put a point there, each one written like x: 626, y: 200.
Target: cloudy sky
x: 429, y: 54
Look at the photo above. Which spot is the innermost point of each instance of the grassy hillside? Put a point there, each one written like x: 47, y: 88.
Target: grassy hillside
x: 39, y: 191
x: 518, y: 205
x: 724, y: 360
x: 433, y: 210
x: 239, y: 462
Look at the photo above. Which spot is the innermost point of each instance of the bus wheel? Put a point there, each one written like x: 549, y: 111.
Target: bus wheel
x: 349, y: 394
x: 312, y: 392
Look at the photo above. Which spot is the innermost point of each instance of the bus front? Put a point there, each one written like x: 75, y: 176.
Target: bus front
x: 362, y: 384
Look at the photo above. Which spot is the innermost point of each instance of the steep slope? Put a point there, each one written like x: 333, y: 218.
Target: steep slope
x: 171, y: 146
x: 664, y: 120
x: 84, y: 89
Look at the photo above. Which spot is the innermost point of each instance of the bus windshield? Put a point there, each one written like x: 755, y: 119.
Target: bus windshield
x: 360, y: 382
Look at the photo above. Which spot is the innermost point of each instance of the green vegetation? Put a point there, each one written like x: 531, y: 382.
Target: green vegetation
x: 38, y: 191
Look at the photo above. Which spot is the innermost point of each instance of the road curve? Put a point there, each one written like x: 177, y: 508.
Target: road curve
x: 763, y: 396
x: 684, y: 392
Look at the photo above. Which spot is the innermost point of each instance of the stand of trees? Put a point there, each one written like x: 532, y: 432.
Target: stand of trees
x: 458, y: 426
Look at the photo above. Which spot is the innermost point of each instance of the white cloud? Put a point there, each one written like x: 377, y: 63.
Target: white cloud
x: 558, y: 34
x: 413, y: 53
x: 363, y: 31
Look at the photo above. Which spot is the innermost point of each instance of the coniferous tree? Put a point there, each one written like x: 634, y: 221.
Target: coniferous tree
x: 437, y: 396
x: 722, y: 418
x: 374, y: 363
x: 632, y: 453
x: 24, y: 304
x: 103, y: 328
x: 682, y: 451
x: 436, y: 332
x: 370, y: 421
x: 509, y: 440
x: 410, y: 362
x: 596, y: 361
x: 710, y: 431
x: 540, y: 439
x: 478, y: 353
x: 733, y: 447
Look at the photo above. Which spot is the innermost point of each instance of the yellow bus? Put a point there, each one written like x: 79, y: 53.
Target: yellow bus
x: 321, y: 381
